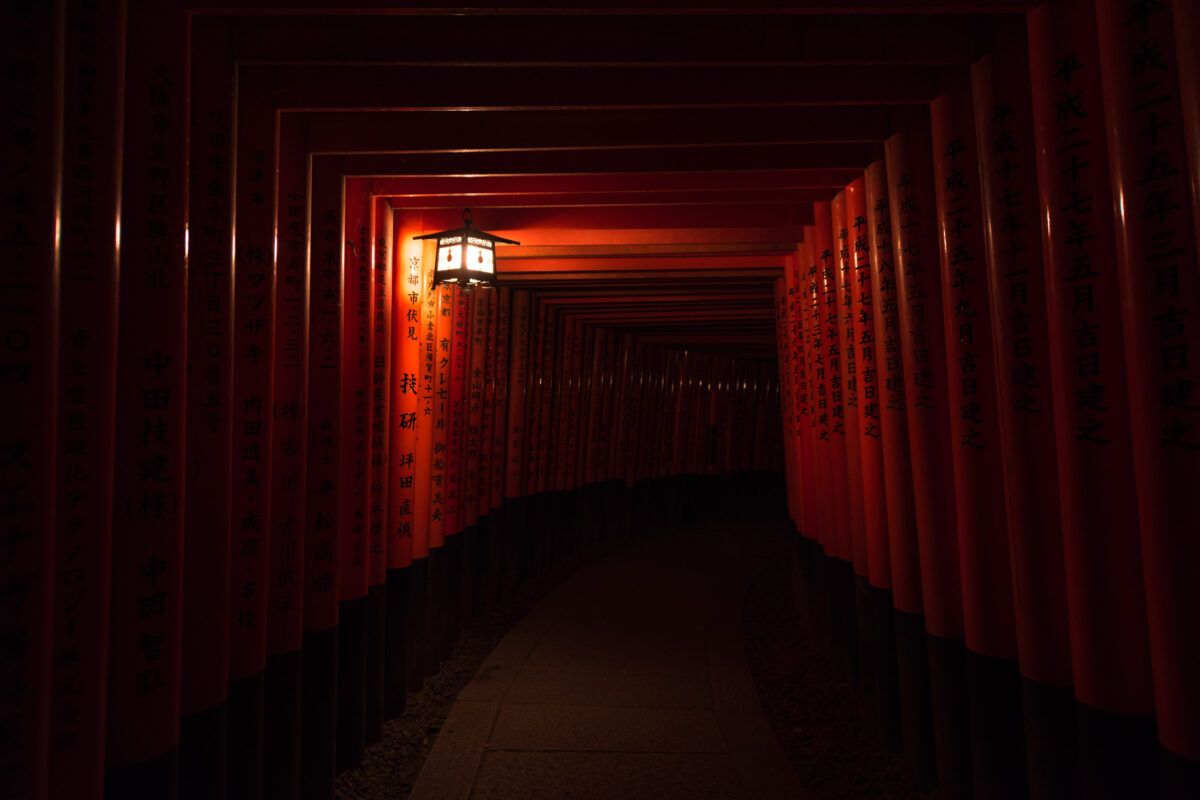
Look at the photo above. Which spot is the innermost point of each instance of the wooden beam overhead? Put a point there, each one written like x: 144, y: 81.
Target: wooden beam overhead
x: 849, y: 156
x: 451, y: 131
x: 418, y: 186
x: 668, y: 7
x: 675, y: 38
x: 414, y: 86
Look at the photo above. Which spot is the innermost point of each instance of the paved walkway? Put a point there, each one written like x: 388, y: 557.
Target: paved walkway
x: 628, y: 681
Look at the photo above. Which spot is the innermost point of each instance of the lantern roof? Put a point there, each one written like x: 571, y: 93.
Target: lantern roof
x: 468, y: 229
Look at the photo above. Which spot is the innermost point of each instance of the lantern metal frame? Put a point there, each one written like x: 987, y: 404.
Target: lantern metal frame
x: 462, y: 239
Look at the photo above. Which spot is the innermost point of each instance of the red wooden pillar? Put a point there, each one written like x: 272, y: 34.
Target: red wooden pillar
x: 476, y: 367
x: 903, y: 548
x: 608, y: 414
x: 428, y: 404
x: 551, y: 414
x: 793, y: 394
x: 574, y: 400
x: 533, y: 396
x: 145, y: 642
x: 324, y: 376
x: 322, y: 501
x: 380, y: 408
x: 666, y: 409
x: 592, y: 442
x: 740, y: 422
x: 602, y: 387
x: 91, y: 186
x: 354, y: 444
x: 1105, y: 594
x: 727, y: 441
x: 290, y: 413
x: 678, y: 410
x: 354, y: 462
x: 765, y: 404
x: 1016, y: 279
x: 627, y: 411
x: 800, y: 378
x: 381, y: 370
x: 210, y: 353
x: 704, y: 416
x: 561, y: 365
x: 867, y: 386
x: 1155, y: 219
x: 974, y: 417
x: 283, y: 700
x: 404, y: 364
x: 794, y: 481
x: 29, y: 369
x: 825, y: 511
x: 547, y: 378
x: 533, y: 380
x: 143, y: 697
x: 518, y: 379
x: 588, y: 385
x: 764, y: 394
x: 428, y: 463
x: 503, y: 344
x: 755, y: 388
x: 252, y: 418
x: 830, y: 369
x: 645, y: 459
x: 487, y: 388
x: 624, y: 381
x: 488, y: 583
x: 550, y: 386
x: 634, y: 420
x: 441, y: 416
x: 1186, y: 17
x: 704, y: 409
x: 286, y: 567
x: 700, y: 413
x: 654, y: 467
x: 406, y: 349
x: 537, y: 315
x: 747, y: 421
x: 664, y: 358
x: 847, y: 390
x: 914, y: 241
x: 807, y: 338
x: 622, y: 348
x: 456, y: 420
x: 323, y: 360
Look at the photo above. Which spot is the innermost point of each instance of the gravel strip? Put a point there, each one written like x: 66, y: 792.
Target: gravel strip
x: 814, y: 716
x: 391, y: 766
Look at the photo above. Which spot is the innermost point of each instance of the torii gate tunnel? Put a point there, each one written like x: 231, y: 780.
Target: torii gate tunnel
x: 920, y: 277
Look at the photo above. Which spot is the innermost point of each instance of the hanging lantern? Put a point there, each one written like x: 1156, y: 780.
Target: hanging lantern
x: 466, y: 255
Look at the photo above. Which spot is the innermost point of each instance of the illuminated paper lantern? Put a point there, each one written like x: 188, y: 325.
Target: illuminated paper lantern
x: 466, y: 255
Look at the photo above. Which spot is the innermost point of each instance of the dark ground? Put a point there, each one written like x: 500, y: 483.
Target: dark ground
x: 814, y: 716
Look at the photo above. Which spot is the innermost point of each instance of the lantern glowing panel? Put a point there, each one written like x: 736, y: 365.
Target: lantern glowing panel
x: 467, y: 255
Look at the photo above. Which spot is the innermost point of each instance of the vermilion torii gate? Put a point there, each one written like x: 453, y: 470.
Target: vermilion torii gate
x: 256, y: 471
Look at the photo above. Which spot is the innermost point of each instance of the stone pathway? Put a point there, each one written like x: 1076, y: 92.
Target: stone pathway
x: 628, y: 681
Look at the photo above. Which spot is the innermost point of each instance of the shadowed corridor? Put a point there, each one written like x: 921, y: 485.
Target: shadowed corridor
x: 628, y: 681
